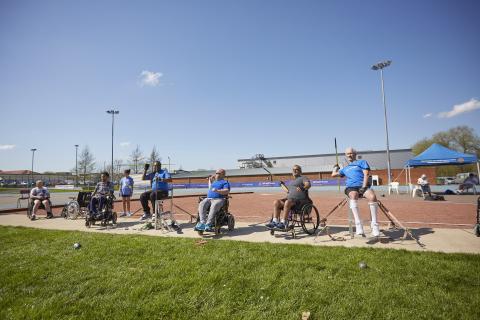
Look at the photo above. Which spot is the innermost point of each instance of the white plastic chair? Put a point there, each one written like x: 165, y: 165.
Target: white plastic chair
x: 375, y: 179
x: 393, y: 187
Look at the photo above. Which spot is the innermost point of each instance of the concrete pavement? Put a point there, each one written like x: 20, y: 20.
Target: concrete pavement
x: 439, y: 240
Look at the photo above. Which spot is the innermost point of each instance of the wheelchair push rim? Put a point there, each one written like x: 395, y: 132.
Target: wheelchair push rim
x: 309, y: 219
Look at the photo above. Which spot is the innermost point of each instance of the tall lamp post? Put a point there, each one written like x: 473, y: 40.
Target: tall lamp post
x: 76, y: 165
x: 113, y: 113
x: 33, y: 157
x: 380, y: 66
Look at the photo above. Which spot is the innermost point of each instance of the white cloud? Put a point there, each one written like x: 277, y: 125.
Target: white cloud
x: 427, y: 115
x: 150, y: 78
x: 468, y: 106
x: 124, y: 144
x: 6, y: 146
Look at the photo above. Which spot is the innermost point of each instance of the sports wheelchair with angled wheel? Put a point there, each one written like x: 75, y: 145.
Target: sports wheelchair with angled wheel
x: 105, y: 216
x: 222, y: 218
x: 304, y: 215
x: 77, y: 207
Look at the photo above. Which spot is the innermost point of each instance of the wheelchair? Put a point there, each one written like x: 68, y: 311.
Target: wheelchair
x: 304, y: 215
x: 105, y: 216
x: 77, y: 207
x: 31, y: 204
x: 222, y: 218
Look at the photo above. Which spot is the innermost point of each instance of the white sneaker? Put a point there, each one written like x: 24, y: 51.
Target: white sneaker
x: 375, y: 230
x: 359, y: 229
x: 129, y: 214
x: 122, y: 214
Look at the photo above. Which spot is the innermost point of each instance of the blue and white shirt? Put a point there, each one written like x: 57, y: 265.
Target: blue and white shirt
x: 155, y: 177
x: 126, y: 186
x: 354, y: 173
x: 218, y: 185
x: 40, y: 192
x: 103, y: 188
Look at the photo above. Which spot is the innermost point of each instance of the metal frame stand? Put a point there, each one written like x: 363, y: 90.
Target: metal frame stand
x: 394, y: 223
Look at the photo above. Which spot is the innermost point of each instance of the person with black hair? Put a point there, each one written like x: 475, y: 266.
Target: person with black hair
x: 99, y: 195
x: 159, y: 180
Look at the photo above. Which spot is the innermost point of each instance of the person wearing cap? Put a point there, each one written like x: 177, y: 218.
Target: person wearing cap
x: 218, y: 189
x: 424, y: 185
x: 159, y: 179
x: 357, y: 173
x: 40, y: 195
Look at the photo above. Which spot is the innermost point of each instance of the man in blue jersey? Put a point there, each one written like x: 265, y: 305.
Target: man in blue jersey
x: 159, y: 179
x: 218, y: 189
x: 357, y: 172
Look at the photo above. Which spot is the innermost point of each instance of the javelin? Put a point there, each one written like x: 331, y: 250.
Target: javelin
x: 336, y: 159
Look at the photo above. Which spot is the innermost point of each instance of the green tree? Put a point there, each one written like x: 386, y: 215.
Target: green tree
x: 461, y: 138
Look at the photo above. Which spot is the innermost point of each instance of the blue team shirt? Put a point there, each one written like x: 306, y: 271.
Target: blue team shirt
x: 354, y: 173
x: 157, y: 184
x: 218, y: 185
x: 126, y: 186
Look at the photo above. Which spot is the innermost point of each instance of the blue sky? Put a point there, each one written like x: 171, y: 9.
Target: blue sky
x: 209, y: 82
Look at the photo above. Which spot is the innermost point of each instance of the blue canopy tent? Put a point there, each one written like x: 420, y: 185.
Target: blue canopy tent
x: 438, y: 155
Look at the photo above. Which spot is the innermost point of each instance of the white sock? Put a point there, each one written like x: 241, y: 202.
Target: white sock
x: 283, y: 221
x: 374, y: 225
x: 356, y: 216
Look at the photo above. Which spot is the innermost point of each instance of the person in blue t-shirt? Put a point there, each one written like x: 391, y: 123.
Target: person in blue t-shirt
x: 126, y: 192
x: 159, y: 179
x: 357, y: 172
x: 218, y: 189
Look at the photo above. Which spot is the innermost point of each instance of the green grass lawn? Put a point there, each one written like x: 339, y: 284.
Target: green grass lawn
x: 123, y: 276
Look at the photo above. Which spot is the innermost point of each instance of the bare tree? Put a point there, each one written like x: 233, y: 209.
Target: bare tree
x: 135, y: 157
x: 86, y: 163
x: 154, y: 155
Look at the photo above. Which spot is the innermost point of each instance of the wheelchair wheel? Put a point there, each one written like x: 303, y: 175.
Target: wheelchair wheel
x: 88, y: 223
x: 230, y: 222
x: 309, y: 218
x: 72, y: 210
x: 29, y: 210
x: 114, y: 218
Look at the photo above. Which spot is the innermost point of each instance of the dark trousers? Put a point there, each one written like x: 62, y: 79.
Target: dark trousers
x: 97, y: 202
x: 152, y: 196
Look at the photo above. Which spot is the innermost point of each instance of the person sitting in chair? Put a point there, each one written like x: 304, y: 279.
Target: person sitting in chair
x: 357, y: 172
x: 424, y: 185
x: 468, y: 183
x: 218, y: 189
x: 40, y: 195
x: 297, y: 196
x: 99, y: 195
x: 159, y: 180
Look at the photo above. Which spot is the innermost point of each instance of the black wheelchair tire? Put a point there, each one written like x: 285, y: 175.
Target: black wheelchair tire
x: 231, y: 222
x: 314, y: 215
x: 114, y: 218
x: 476, y: 230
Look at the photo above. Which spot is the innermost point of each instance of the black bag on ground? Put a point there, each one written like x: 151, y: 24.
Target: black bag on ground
x: 434, y: 197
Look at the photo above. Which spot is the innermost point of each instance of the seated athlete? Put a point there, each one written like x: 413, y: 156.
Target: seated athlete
x: 99, y: 195
x: 217, y: 193
x: 297, y: 196
x: 357, y: 172
x: 40, y: 195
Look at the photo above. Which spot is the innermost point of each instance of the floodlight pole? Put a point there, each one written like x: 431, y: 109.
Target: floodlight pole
x: 380, y: 66
x: 76, y: 165
x: 33, y: 157
x: 113, y: 113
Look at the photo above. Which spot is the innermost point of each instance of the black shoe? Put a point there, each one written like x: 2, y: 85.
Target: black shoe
x: 49, y: 215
